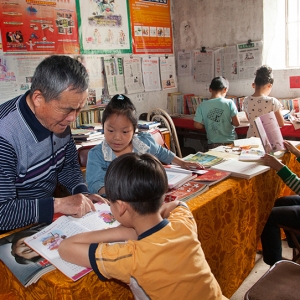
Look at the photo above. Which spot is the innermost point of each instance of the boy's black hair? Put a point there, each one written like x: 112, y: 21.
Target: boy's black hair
x: 263, y: 76
x: 140, y: 180
x: 120, y: 105
x: 219, y: 83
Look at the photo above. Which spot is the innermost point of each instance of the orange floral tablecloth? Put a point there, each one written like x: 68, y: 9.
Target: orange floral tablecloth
x: 230, y: 218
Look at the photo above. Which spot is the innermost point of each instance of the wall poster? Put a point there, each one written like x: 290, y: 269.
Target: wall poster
x: 39, y: 26
x: 104, y: 26
x: 151, y: 26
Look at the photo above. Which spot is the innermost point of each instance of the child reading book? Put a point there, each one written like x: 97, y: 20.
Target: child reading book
x: 150, y: 235
x: 218, y: 115
x: 260, y: 102
x: 286, y: 210
x: 119, y: 123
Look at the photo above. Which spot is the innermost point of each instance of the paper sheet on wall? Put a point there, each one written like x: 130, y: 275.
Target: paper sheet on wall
x: 133, y: 75
x: 184, y: 66
x: 113, y: 70
x: 151, y: 78
x: 16, y: 72
x: 204, y: 66
x: 249, y: 59
x: 168, y: 72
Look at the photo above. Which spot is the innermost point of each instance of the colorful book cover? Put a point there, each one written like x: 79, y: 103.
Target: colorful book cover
x: 212, y: 175
x: 186, y: 192
x: 204, y: 159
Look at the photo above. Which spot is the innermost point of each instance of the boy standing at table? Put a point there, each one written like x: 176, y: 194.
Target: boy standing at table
x: 156, y: 250
x: 218, y: 115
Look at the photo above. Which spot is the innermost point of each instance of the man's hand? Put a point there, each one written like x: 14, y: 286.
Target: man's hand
x: 97, y: 198
x: 272, y: 161
x: 76, y: 205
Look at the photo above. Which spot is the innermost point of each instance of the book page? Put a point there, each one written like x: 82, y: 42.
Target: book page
x: 269, y: 132
x: 46, y: 243
x: 100, y: 219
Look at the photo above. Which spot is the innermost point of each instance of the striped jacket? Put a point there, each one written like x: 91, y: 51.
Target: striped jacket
x: 32, y: 161
x: 290, y: 178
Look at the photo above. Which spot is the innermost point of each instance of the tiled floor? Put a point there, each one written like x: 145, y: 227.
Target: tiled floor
x: 258, y: 271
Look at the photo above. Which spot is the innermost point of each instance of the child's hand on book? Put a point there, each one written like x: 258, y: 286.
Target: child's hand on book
x: 291, y: 148
x: 272, y: 161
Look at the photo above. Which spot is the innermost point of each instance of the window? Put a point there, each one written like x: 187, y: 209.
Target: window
x: 292, y: 33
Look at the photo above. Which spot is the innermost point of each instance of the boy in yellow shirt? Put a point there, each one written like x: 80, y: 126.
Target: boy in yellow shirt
x: 155, y: 250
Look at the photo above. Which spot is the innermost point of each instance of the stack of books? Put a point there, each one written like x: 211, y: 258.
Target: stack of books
x: 146, y: 125
x: 84, y: 136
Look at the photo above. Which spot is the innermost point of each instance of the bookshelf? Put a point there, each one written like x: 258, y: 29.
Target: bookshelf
x: 89, y: 115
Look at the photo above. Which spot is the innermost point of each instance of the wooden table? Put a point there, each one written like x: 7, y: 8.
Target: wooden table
x: 230, y: 218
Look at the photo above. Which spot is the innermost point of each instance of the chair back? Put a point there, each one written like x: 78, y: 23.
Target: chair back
x: 156, y: 134
x: 83, y: 155
x: 281, y: 281
x: 294, y: 234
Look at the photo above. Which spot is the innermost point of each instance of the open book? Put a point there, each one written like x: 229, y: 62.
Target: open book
x: 178, y: 176
x: 269, y: 132
x: 241, y: 169
x: 27, y: 265
x: 46, y: 241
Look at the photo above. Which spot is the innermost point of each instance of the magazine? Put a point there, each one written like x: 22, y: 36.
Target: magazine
x: 269, y: 132
x: 26, y: 265
x: 207, y: 160
x: 212, y: 177
x: 186, y: 192
x: 46, y: 241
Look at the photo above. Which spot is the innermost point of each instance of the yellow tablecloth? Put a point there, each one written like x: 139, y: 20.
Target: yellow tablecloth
x: 230, y: 218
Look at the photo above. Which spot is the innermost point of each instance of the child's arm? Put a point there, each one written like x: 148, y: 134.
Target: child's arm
x: 166, y: 208
x: 272, y: 162
x: 291, y: 148
x: 198, y: 125
x: 187, y: 164
x: 75, y: 249
x: 235, y: 121
x: 279, y: 118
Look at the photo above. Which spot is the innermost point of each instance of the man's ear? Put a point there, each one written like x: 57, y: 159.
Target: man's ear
x: 37, y: 98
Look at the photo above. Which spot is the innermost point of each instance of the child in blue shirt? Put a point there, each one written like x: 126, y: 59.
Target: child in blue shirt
x: 119, y: 123
x: 218, y: 115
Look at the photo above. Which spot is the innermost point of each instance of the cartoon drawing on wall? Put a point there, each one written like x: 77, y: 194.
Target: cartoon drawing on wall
x: 105, y: 7
x: 109, y: 37
x: 97, y: 37
x: 30, y: 44
x: 187, y: 36
x: 160, y: 32
x: 121, y: 37
x: 153, y: 32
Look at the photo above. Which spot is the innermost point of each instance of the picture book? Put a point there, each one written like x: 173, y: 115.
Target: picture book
x: 212, y: 177
x: 186, y: 192
x: 178, y: 176
x: 46, y: 241
x: 26, y: 264
x: 207, y: 160
x: 242, y: 169
x: 269, y: 132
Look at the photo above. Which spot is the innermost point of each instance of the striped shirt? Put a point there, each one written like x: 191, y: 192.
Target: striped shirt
x: 32, y: 161
x: 290, y: 178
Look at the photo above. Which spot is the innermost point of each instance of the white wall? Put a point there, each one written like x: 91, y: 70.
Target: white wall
x: 216, y: 23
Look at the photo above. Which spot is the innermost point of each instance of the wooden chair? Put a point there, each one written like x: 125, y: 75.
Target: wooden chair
x: 280, y: 282
x: 160, y: 115
x: 158, y: 138
x: 293, y: 233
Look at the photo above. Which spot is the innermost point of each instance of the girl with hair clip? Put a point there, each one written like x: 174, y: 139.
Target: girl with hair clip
x: 260, y: 103
x: 120, y: 123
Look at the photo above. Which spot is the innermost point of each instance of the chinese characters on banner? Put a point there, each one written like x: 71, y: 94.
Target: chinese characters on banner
x: 39, y: 26
x: 104, y: 26
x: 151, y: 26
